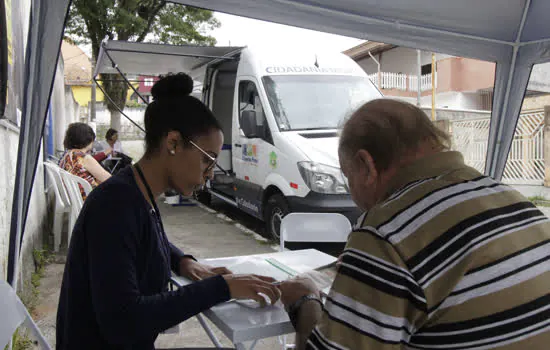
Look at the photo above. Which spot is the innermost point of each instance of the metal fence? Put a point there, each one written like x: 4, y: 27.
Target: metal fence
x: 526, y: 158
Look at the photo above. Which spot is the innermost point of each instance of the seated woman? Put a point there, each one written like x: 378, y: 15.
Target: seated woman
x: 113, y: 144
x: 111, y: 141
x: 77, y: 159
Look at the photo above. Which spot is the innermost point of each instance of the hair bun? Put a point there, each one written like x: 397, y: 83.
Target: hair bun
x: 172, y: 85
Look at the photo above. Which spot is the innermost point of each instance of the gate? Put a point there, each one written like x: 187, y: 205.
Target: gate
x: 525, y: 163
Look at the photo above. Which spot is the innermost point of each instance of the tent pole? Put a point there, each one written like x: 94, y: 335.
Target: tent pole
x: 124, y: 77
x: 433, y: 86
x: 418, y: 76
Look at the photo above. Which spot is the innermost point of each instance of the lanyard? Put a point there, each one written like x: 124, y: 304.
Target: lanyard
x: 149, y: 192
x: 155, y: 211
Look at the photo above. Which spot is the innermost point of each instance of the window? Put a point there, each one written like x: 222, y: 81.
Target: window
x: 249, y: 100
x: 148, y: 81
x: 426, y: 69
x: 310, y: 102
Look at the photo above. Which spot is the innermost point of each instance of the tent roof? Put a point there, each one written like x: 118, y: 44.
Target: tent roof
x: 512, y: 33
x: 485, y: 29
x: 156, y: 59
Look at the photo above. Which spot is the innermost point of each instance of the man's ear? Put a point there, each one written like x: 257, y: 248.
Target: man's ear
x: 367, y: 166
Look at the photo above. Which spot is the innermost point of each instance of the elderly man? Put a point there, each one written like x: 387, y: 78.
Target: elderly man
x: 445, y: 258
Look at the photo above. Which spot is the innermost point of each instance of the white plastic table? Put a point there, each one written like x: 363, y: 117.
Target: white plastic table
x: 241, y: 323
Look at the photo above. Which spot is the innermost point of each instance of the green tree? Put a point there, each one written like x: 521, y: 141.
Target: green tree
x: 90, y: 21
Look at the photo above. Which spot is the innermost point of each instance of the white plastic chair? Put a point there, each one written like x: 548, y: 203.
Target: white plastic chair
x: 314, y: 227
x: 62, y: 201
x: 71, y: 184
x: 14, y: 314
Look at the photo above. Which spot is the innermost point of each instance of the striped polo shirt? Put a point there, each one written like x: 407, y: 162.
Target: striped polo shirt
x: 450, y: 260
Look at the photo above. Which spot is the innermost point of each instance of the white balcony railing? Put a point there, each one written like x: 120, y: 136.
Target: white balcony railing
x: 403, y: 82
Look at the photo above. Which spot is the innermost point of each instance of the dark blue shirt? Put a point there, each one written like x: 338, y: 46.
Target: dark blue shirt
x: 114, y: 293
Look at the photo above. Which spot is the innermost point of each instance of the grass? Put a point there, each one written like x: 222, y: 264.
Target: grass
x: 540, y: 201
x: 20, y: 340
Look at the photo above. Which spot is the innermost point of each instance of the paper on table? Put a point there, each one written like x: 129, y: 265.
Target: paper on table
x: 259, y: 266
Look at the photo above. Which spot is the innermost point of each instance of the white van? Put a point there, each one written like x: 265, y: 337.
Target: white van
x: 280, y: 114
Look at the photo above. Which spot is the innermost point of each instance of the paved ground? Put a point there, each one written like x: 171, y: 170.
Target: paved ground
x: 533, y: 191
x: 204, y: 233
x: 199, y: 231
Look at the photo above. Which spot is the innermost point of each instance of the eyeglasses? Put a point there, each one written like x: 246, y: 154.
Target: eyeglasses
x: 210, y: 159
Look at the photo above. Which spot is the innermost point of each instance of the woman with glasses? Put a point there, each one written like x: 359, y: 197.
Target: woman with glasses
x: 114, y: 293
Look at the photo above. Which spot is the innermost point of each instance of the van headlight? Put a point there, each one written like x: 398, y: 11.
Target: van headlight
x: 323, y: 178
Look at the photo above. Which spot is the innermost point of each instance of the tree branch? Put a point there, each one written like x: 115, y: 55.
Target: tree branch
x: 150, y: 21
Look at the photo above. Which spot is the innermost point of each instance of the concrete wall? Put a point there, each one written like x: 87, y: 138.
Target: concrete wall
x: 536, y: 102
x: 65, y: 109
x: 128, y: 130
x: 83, y: 93
x: 9, y: 136
x: 399, y: 60
x: 540, y: 78
x: 464, y: 74
x: 456, y: 114
x: 450, y: 100
x: 37, y: 229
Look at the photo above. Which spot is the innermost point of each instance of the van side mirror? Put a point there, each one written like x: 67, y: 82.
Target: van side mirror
x: 248, y: 123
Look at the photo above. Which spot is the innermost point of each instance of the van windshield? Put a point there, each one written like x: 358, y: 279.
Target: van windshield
x: 311, y: 102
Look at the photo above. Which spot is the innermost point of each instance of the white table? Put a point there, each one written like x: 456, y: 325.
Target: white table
x: 242, y: 323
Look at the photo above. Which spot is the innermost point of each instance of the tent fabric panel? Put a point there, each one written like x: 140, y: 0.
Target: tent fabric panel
x: 118, y: 45
x: 471, y: 17
x: 353, y: 25
x: 147, y: 64
x: 156, y: 59
x: 504, y: 120
x: 536, y: 26
x: 504, y: 116
x: 43, y: 47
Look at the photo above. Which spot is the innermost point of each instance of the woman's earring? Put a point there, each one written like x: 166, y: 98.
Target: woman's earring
x: 172, y: 152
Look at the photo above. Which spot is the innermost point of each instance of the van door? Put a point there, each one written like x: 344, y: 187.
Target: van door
x: 252, y: 160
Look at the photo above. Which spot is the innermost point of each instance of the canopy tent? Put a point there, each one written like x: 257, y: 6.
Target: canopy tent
x: 512, y: 33
x: 125, y: 57
x: 46, y: 25
x: 137, y: 58
x: 156, y: 59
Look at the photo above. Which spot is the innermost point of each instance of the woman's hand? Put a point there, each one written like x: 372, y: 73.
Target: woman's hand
x: 197, y: 271
x: 250, y: 287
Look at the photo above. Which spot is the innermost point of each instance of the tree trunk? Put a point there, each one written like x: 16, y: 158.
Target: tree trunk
x: 117, y: 90
x: 115, y: 120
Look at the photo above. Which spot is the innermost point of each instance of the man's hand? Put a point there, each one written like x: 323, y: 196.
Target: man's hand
x: 249, y: 287
x: 197, y: 271
x: 294, y: 289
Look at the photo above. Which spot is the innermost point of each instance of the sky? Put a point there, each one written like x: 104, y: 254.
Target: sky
x: 241, y: 31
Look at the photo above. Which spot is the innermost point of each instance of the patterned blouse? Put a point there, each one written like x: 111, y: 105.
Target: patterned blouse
x: 72, y: 162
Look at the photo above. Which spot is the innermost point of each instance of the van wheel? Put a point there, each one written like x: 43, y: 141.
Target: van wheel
x: 204, y: 197
x: 276, y: 210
